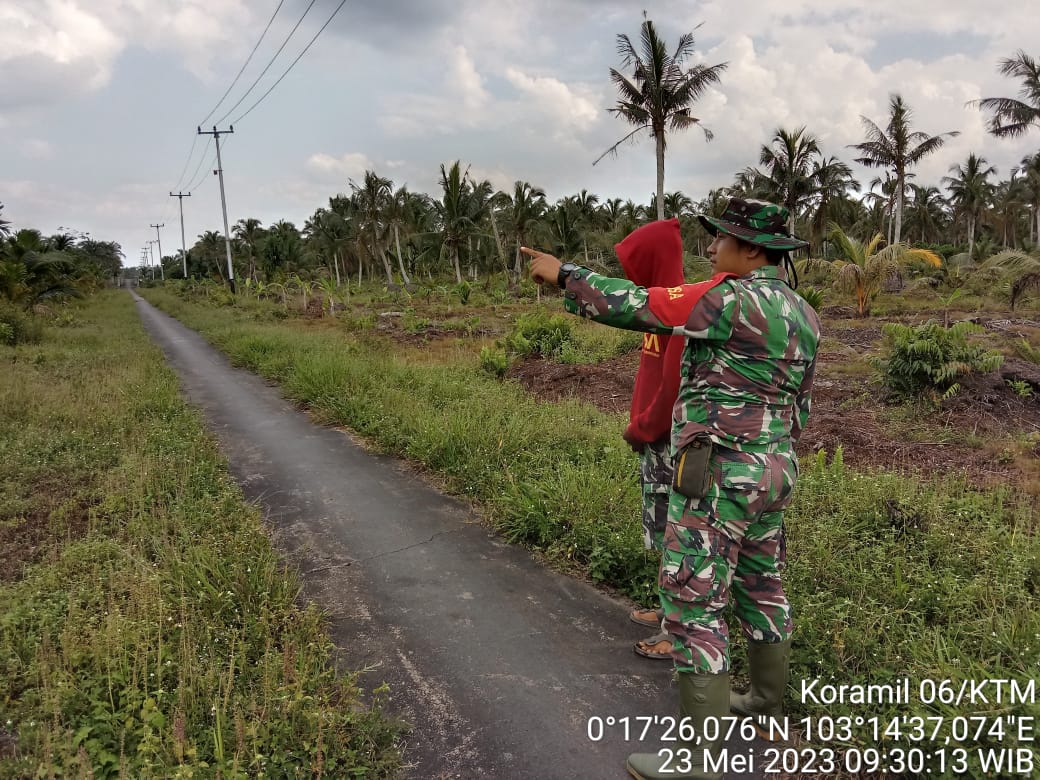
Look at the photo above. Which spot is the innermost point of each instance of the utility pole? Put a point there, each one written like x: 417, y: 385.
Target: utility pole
x: 152, y: 255
x: 158, y: 240
x: 223, y: 202
x: 180, y: 196
x: 145, y: 250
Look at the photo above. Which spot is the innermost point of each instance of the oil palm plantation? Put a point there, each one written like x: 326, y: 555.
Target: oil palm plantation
x: 31, y: 272
x: 660, y: 92
x: 863, y: 267
x: 898, y: 148
x: 970, y: 192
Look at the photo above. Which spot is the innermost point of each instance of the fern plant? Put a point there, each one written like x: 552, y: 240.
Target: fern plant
x: 925, y: 361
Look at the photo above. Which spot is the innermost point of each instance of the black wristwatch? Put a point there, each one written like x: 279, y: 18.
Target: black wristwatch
x: 565, y: 270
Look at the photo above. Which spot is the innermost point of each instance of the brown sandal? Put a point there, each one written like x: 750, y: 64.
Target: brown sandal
x: 658, y: 648
x: 651, y: 618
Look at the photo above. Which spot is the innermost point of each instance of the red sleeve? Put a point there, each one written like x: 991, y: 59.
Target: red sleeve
x: 672, y: 305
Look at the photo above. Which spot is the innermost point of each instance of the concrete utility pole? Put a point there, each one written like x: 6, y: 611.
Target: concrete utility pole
x: 223, y: 202
x: 151, y: 253
x: 158, y: 240
x: 180, y: 196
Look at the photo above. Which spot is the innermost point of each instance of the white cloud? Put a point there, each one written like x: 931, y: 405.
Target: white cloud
x: 351, y: 165
x: 566, y: 107
x: 37, y: 149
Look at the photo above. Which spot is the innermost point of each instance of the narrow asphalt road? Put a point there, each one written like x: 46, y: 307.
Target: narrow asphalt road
x: 497, y: 662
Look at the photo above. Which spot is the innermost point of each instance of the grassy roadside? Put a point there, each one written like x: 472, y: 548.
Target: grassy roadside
x: 147, y: 628
x: 891, y: 577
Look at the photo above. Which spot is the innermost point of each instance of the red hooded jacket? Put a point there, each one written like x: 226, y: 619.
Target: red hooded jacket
x: 652, y: 257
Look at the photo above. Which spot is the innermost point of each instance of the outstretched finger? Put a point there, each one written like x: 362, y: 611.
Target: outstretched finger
x: 532, y: 253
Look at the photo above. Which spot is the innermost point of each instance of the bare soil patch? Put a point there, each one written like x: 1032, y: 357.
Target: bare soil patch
x: 979, y: 433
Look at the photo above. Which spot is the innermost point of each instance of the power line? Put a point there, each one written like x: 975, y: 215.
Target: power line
x: 269, y: 64
x: 244, y: 66
x: 198, y: 168
x: 300, y: 55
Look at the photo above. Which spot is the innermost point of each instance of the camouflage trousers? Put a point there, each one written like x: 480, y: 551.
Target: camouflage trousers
x: 655, y: 475
x: 727, y: 549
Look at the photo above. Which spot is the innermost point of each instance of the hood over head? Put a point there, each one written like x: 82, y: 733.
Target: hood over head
x: 652, y: 254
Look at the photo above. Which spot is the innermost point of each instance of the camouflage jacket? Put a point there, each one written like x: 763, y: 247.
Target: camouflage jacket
x: 750, y: 355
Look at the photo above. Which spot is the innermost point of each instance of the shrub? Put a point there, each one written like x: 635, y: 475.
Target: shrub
x: 494, y: 362
x: 17, y: 327
x: 926, y: 360
x: 537, y: 333
x: 813, y: 296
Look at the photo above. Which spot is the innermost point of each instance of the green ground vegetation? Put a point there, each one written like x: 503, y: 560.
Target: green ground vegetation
x: 891, y: 576
x: 152, y: 630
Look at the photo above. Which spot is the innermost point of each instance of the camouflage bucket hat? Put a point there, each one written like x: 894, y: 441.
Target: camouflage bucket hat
x: 754, y: 221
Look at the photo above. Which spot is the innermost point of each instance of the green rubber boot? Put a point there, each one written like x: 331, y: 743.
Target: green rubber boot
x: 701, y: 696
x: 767, y: 667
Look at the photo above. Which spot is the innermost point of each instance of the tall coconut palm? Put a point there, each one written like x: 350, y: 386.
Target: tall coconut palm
x: 1014, y: 116
x: 898, y: 148
x: 460, y: 211
x: 830, y: 201
x: 788, y: 161
x: 660, y: 92
x: 970, y: 191
x: 1029, y: 168
x: 373, y: 196
x: 528, y: 206
x: 863, y: 267
x: 925, y: 213
x: 249, y: 232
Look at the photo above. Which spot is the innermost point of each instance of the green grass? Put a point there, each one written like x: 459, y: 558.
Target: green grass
x: 890, y: 576
x: 153, y: 632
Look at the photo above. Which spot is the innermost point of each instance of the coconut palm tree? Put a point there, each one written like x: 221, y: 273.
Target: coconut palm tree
x: 249, y: 232
x: 1022, y: 269
x: 897, y: 148
x: 788, y: 161
x: 1014, y: 116
x: 528, y: 206
x: 460, y: 211
x: 660, y: 92
x: 830, y: 200
x: 5, y: 226
x: 1030, y: 170
x: 925, y: 213
x: 863, y: 267
x: 970, y: 191
x: 373, y: 196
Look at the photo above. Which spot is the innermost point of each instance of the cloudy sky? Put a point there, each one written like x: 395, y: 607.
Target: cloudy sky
x: 100, y: 99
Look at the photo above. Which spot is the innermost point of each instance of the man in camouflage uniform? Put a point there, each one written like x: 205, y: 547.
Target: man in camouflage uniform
x: 744, y: 398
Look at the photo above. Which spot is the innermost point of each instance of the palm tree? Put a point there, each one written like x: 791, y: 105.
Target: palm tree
x: 5, y: 226
x: 926, y: 213
x: 527, y: 208
x: 31, y: 272
x: 1012, y: 117
x: 789, y: 163
x: 864, y: 267
x: 460, y: 211
x: 970, y: 191
x: 249, y: 232
x: 1030, y: 170
x: 660, y: 93
x: 1021, y: 268
x: 832, y: 180
x: 373, y: 196
x: 898, y: 148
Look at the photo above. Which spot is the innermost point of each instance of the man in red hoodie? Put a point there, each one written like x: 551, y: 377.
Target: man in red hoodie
x: 651, y: 256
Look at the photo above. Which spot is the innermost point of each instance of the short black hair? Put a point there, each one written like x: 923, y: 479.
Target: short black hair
x: 773, y: 256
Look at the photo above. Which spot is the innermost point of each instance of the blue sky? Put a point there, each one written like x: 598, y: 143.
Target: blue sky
x: 100, y: 99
